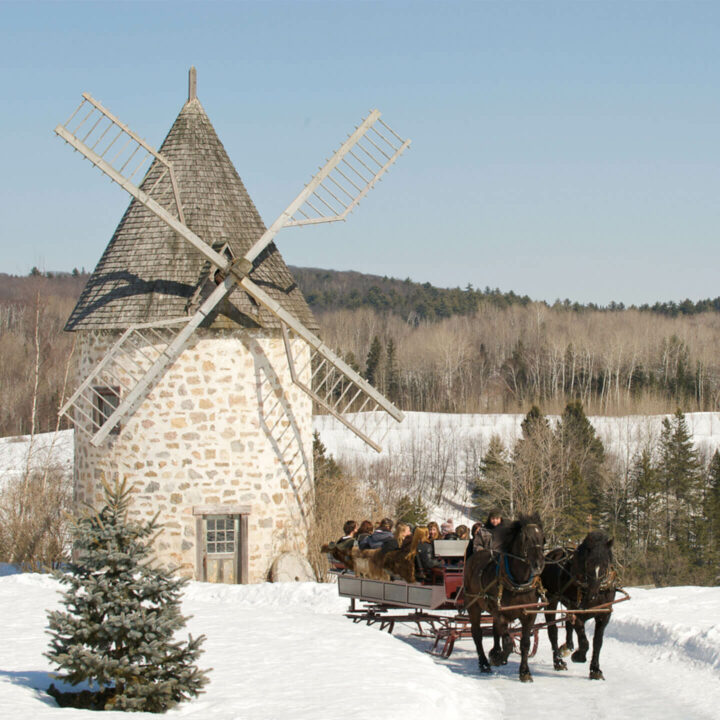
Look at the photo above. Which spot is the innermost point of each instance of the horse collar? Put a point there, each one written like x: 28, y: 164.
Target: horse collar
x: 509, y: 574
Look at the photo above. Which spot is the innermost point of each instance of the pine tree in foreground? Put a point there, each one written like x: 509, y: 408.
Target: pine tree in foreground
x: 122, y: 615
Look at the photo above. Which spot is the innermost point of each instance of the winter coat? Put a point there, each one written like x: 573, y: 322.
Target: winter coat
x: 425, y: 560
x: 392, y: 544
x: 376, y: 539
x: 488, y: 537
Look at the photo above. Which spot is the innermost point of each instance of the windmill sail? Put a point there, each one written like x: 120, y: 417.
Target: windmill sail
x: 102, y: 401
x: 334, y: 385
x: 97, y: 399
x: 123, y: 156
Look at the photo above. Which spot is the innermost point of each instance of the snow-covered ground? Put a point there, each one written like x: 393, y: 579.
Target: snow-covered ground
x: 619, y: 434
x: 286, y: 651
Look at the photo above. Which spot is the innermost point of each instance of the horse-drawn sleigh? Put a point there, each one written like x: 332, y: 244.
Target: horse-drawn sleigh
x: 497, y: 594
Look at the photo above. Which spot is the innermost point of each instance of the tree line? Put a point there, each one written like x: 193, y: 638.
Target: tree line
x: 506, y: 359
x: 498, y: 358
x: 416, y: 302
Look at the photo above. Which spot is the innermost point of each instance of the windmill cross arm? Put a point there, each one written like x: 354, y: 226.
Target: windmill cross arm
x: 292, y: 322
x: 308, y: 190
x: 178, y: 226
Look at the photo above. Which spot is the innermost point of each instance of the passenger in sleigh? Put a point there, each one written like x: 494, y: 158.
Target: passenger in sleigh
x: 379, y: 536
x: 487, y: 537
x: 341, y: 551
x: 401, y: 539
x: 425, y: 560
x: 364, y: 531
x: 349, y: 532
x: 399, y: 554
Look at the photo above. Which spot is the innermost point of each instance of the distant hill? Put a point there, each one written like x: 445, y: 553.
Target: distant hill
x: 349, y: 290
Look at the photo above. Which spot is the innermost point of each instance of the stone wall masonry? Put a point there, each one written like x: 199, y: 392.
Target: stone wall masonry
x: 224, y: 425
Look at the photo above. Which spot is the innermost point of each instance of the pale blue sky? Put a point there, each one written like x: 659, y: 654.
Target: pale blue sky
x: 560, y: 149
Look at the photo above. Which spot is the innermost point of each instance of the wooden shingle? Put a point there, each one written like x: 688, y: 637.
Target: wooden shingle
x: 148, y: 273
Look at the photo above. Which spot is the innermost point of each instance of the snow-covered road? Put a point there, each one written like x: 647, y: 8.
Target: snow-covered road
x: 642, y: 681
x: 286, y: 651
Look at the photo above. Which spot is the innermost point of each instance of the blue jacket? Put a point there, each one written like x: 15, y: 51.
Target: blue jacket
x: 375, y: 540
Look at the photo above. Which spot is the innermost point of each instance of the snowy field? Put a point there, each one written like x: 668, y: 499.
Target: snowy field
x: 286, y: 651
x: 621, y: 435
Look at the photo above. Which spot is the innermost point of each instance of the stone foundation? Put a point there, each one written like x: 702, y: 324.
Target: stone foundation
x: 225, y: 425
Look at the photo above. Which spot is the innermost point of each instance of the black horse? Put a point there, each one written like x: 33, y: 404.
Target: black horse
x: 581, y: 580
x: 510, y: 577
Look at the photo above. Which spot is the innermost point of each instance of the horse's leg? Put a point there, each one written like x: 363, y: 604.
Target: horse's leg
x: 507, y: 643
x: 569, y: 646
x: 475, y: 614
x: 500, y: 632
x: 601, y: 621
x: 551, y: 619
x: 580, y: 655
x: 527, y: 623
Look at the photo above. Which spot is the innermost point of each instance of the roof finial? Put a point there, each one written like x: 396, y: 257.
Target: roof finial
x: 192, y: 84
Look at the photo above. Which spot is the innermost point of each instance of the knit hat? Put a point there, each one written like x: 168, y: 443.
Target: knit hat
x: 447, y: 527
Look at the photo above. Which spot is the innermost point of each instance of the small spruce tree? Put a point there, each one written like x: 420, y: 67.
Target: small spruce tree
x: 122, y: 613
x: 679, y: 470
x: 374, y: 361
x: 414, y: 512
x: 492, y: 486
x: 392, y: 374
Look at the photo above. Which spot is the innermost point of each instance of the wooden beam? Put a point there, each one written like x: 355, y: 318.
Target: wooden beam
x: 243, y: 552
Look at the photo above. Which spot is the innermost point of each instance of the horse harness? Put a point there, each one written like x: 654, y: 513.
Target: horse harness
x: 608, y: 581
x: 504, y: 580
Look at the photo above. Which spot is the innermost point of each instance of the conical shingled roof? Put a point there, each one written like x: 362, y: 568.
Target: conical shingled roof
x: 149, y: 273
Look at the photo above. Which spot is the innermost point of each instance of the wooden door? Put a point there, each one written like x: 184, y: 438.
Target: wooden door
x: 223, y: 539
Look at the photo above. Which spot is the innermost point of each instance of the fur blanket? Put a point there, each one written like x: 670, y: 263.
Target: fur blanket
x: 402, y: 563
x: 342, y: 552
x: 369, y: 564
x: 373, y: 564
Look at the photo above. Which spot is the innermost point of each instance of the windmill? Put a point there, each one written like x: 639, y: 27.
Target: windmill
x: 144, y: 354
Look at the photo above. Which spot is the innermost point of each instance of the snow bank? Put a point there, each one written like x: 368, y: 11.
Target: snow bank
x: 685, y: 621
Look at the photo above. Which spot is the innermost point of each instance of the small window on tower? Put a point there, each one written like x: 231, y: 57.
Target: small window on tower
x: 106, y: 401
x: 220, y: 538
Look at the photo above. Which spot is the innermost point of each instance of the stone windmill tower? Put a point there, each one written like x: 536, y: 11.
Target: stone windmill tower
x: 198, y: 363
